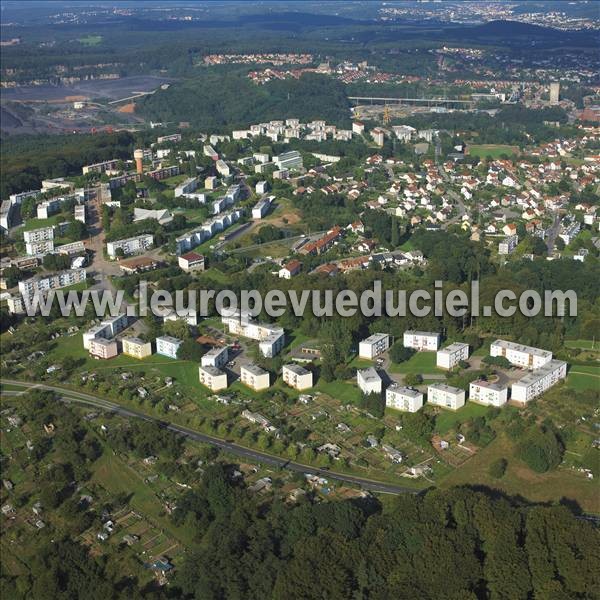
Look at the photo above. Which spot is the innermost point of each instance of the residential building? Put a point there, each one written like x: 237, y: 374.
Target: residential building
x: 38, y: 235
x: 191, y: 261
x: 297, y: 377
x: 271, y: 339
x: 421, y: 340
x: 262, y: 187
x: 508, y: 244
x: 369, y: 381
x: 254, y: 377
x: 262, y: 208
x: 40, y: 284
x: 215, y: 357
x: 133, y: 245
x: 490, y: 394
x: 101, y: 167
x: 290, y: 161
x: 374, y: 345
x: 403, y: 398
x: 102, y: 348
x: 211, y: 377
x: 293, y: 267
x: 222, y: 168
x: 358, y: 128
x: 449, y: 357
x: 519, y: 355
x: 272, y: 344
x: 168, y: 346
x: 135, y: 347
x: 378, y: 136
x: 440, y: 394
x: 187, y: 187
x: 538, y: 381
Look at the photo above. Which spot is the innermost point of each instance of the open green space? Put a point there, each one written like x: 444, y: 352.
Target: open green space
x: 583, y: 344
x: 447, y: 420
x: 421, y: 362
x: 493, y: 150
x: 90, y: 40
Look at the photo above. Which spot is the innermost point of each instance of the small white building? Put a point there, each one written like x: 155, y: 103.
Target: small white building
x: 449, y: 357
x: 211, y: 377
x: 508, y: 244
x: 538, y: 381
x: 440, y: 394
x: 262, y: 187
x: 254, y: 377
x: 262, y: 207
x: 490, y: 394
x: 369, y: 381
x: 403, y: 398
x: 272, y: 344
x: 216, y: 357
x: 168, y: 346
x: 519, y: 355
x: 421, y: 340
x: 374, y: 345
x: 297, y: 377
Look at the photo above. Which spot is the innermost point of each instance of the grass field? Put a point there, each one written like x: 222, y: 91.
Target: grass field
x: 520, y: 480
x: 493, y: 150
x: 584, y: 378
x: 421, y: 362
x: 340, y: 390
x: 449, y: 419
x: 90, y: 40
x: 583, y: 344
x: 39, y: 223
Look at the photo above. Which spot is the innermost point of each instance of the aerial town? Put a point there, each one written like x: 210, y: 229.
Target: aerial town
x: 416, y: 223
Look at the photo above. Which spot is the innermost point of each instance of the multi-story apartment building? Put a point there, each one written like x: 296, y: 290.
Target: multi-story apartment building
x: 216, y: 357
x: 508, y: 244
x: 403, y: 398
x: 291, y: 160
x: 168, y: 346
x: 254, y: 377
x: 187, y: 187
x: 271, y: 339
x: 135, y: 347
x: 37, y: 248
x: 374, y: 345
x: 38, y: 235
x: 490, y: 394
x: 107, y: 329
x: 369, y: 381
x: 519, y: 355
x: 421, y: 340
x: 191, y: 261
x: 42, y: 284
x: 297, y: 377
x: 211, y: 377
x: 101, y: 167
x: 133, y: 245
x: 538, y: 381
x: 103, y: 348
x: 261, y: 208
x: 449, y: 357
x: 440, y: 394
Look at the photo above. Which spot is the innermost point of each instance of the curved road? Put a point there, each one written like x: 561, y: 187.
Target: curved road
x: 248, y: 453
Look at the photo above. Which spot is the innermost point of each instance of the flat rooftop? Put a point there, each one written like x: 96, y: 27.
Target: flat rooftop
x: 442, y: 387
x: 369, y: 374
x: 535, y: 376
x: 455, y: 347
x: 422, y: 333
x: 522, y: 348
x: 405, y: 391
x: 254, y: 370
x: 376, y: 337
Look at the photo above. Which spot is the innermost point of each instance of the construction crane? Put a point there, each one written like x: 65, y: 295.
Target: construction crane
x: 357, y: 113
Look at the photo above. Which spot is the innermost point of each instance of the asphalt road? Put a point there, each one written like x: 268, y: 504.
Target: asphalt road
x: 247, y: 453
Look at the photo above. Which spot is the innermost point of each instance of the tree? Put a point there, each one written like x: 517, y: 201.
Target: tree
x: 399, y: 354
x: 498, y: 468
x: 541, y: 449
x: 413, y: 379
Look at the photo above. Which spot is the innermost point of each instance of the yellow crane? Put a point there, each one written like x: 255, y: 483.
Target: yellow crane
x: 386, y: 115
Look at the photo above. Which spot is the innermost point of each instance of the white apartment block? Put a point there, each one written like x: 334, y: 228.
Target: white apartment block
x: 449, y: 357
x: 135, y: 347
x: 133, y: 245
x: 403, y: 398
x: 187, y: 187
x: 538, y: 381
x: 297, y: 377
x: 211, y: 377
x: 168, y: 346
x: 261, y: 208
x: 519, y: 355
x: 216, y: 357
x: 106, y: 330
x: 254, y: 377
x: 374, y: 345
x: 39, y: 285
x: 368, y: 381
x: 490, y: 394
x: 440, y: 394
x: 508, y: 244
x: 271, y: 339
x: 421, y: 340
x: 103, y: 348
x: 36, y: 248
x: 39, y: 235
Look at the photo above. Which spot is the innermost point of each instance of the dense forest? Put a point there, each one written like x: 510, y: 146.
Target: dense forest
x: 221, y: 102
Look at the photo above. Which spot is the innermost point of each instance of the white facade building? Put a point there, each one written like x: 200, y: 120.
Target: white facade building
x: 490, y: 394
x: 449, y: 357
x: 440, y: 394
x: 538, y: 381
x: 374, y: 345
x: 168, y: 346
x: 369, y: 381
x: 255, y: 377
x: 216, y: 357
x: 519, y: 355
x: 403, y: 398
x: 211, y: 377
x: 421, y: 340
x: 133, y: 245
x: 297, y: 377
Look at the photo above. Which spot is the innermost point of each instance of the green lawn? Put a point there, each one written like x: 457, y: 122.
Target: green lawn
x: 421, y: 362
x: 31, y: 224
x: 583, y: 344
x: 90, y: 40
x: 493, y: 150
x: 340, y: 390
x: 580, y: 380
x: 449, y: 419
